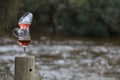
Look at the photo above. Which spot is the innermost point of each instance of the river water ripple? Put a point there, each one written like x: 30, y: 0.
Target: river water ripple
x: 65, y: 59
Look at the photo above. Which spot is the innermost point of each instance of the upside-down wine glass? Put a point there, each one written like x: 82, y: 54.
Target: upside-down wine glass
x: 26, y: 20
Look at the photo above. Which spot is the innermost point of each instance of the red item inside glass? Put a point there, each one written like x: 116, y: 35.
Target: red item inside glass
x: 24, y: 25
x: 24, y: 43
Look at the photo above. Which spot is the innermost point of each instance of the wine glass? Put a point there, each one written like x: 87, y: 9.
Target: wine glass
x: 23, y: 37
x: 26, y: 20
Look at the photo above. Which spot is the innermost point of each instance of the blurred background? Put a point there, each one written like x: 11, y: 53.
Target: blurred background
x: 86, y: 18
x: 71, y: 39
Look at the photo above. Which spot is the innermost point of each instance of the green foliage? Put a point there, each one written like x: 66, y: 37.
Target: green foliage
x: 96, y: 18
x: 79, y: 2
x: 8, y: 14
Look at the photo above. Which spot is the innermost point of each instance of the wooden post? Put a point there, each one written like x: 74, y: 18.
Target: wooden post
x: 24, y: 68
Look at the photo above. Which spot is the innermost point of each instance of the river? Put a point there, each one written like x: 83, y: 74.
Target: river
x: 65, y: 58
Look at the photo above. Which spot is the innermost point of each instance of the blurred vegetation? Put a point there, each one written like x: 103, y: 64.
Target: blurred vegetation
x: 86, y: 18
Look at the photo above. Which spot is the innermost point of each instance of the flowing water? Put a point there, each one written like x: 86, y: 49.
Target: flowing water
x: 65, y: 59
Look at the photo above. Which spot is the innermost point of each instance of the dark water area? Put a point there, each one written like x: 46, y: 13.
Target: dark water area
x: 65, y: 58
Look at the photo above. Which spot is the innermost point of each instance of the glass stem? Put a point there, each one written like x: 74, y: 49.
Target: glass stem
x: 24, y: 49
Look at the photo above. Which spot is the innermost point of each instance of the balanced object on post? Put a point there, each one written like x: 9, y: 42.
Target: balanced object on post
x: 24, y: 68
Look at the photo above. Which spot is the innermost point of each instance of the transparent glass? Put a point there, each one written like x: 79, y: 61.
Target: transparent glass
x: 23, y: 36
x: 26, y: 20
